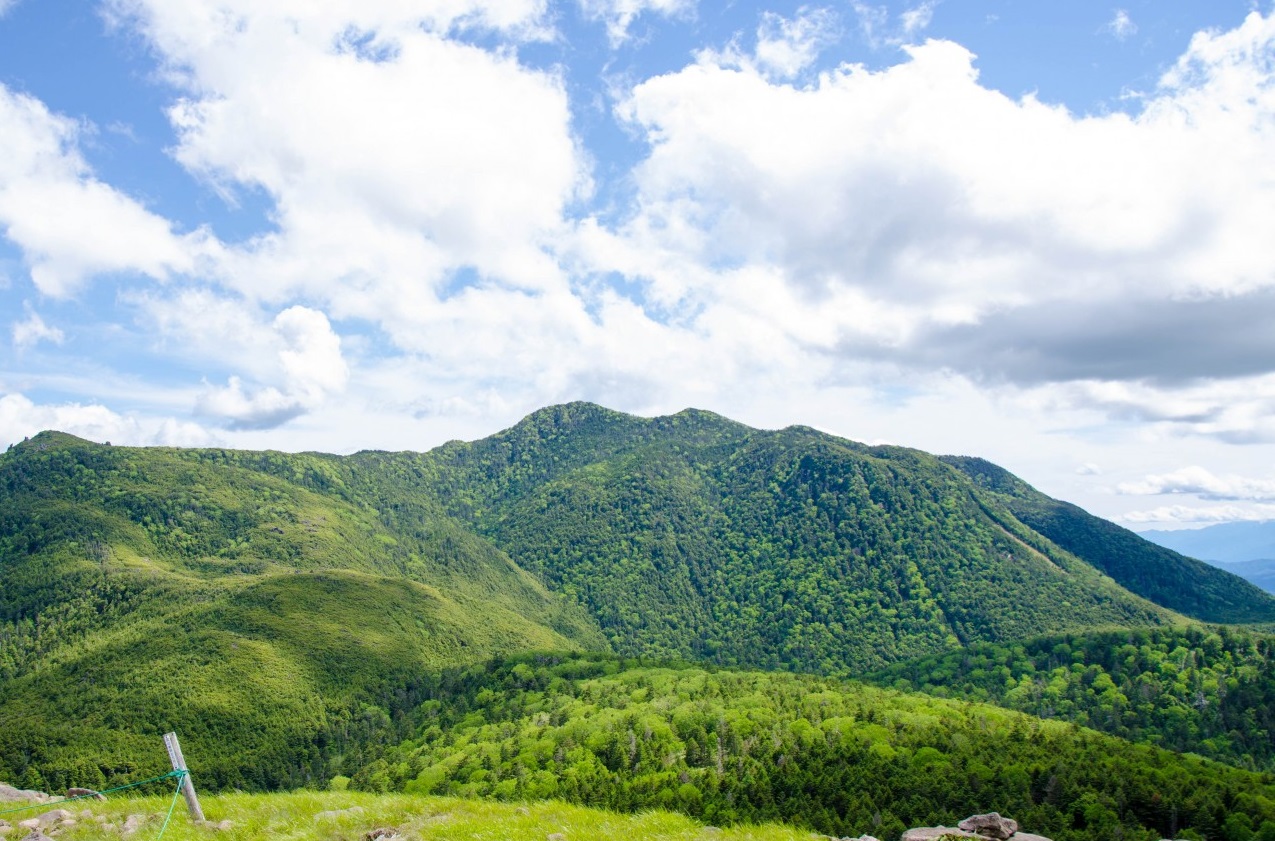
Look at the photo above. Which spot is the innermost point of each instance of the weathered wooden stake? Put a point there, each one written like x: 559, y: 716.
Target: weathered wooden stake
x: 179, y: 764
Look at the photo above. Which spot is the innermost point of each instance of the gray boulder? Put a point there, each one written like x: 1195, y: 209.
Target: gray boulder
x: 991, y: 825
x: 9, y: 793
x: 934, y: 833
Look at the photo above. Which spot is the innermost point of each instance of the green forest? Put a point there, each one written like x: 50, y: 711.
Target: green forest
x: 836, y: 757
x: 301, y: 618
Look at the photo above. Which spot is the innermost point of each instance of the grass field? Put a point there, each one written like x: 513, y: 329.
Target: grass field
x: 300, y: 816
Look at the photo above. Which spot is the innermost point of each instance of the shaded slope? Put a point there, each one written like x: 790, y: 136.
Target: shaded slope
x: 1184, y: 584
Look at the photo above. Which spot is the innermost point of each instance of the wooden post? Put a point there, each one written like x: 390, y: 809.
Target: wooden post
x: 179, y: 764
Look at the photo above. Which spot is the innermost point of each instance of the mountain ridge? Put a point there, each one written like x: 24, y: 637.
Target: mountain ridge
x: 688, y: 536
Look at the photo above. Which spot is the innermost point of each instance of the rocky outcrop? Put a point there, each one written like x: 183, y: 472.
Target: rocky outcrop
x: 988, y: 827
x: 991, y: 825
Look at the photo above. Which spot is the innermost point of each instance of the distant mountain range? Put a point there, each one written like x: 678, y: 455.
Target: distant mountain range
x: 1245, y: 549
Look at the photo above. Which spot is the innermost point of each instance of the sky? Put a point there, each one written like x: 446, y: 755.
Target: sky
x: 1040, y: 233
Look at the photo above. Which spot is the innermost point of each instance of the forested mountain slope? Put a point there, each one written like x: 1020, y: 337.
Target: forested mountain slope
x: 149, y: 589
x: 693, y: 536
x: 1165, y: 577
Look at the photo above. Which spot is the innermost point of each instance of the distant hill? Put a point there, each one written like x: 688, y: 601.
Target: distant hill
x: 1243, y: 549
x: 282, y: 610
x: 1226, y: 543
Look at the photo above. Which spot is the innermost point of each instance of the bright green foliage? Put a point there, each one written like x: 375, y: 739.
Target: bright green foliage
x: 1180, y: 583
x: 308, y: 816
x: 1199, y: 690
x: 840, y: 758
x: 276, y: 627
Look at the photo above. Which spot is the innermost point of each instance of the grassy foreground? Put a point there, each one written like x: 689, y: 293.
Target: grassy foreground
x: 297, y: 817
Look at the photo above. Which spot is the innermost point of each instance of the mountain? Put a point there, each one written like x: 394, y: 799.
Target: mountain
x: 1225, y: 543
x: 1243, y: 549
x: 1167, y: 578
x: 143, y: 590
x: 283, y: 611
x: 693, y: 536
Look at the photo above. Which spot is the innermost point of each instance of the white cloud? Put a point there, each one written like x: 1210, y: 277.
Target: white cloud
x: 1088, y: 469
x: 21, y: 418
x: 913, y: 215
x: 1198, y: 481
x: 619, y: 15
x: 1180, y: 514
x: 878, y: 30
x: 1121, y: 26
x: 787, y: 46
x: 917, y: 18
x: 33, y: 330
x: 6, y: 5
x: 394, y: 156
x: 309, y: 369
x: 69, y: 225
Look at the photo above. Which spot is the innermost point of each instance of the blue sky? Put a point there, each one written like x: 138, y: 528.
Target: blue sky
x: 1036, y: 232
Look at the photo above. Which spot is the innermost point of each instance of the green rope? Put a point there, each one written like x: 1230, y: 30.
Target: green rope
x: 169, y: 775
x: 181, y: 780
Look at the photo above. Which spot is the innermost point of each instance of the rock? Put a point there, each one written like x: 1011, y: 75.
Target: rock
x: 29, y: 823
x: 132, y: 823
x: 991, y: 825
x: 933, y: 833
x: 383, y: 832
x: 36, y: 835
x: 53, y: 816
x: 556, y: 836
x: 8, y: 792
x: 1027, y: 836
x: 85, y: 793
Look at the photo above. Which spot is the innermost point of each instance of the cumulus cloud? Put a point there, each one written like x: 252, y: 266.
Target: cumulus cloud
x: 310, y: 368
x: 70, y: 225
x: 913, y: 216
x: 20, y: 418
x: 33, y: 330
x: 1200, y: 482
x: 394, y: 155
